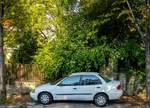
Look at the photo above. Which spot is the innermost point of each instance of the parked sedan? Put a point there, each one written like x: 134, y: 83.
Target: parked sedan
x: 84, y: 86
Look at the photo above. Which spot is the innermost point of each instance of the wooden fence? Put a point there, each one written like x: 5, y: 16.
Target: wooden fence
x: 23, y: 72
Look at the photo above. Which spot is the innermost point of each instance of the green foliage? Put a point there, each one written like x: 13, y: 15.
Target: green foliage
x: 28, y: 19
x: 70, y: 54
x: 87, y: 39
x: 2, y: 101
x: 26, y: 48
x: 82, y: 40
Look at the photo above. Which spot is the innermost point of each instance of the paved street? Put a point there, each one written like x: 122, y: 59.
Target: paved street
x: 75, y: 105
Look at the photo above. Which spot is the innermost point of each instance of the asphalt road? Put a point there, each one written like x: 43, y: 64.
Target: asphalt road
x: 76, y: 105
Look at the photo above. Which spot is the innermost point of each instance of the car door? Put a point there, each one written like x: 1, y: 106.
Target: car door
x: 90, y: 85
x: 68, y: 89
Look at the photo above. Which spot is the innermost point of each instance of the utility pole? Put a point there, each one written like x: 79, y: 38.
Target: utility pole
x: 2, y: 74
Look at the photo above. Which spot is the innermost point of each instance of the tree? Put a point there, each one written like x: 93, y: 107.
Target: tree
x: 28, y: 19
x: 2, y: 74
x: 74, y: 35
x: 89, y: 38
x: 146, y: 39
x: 143, y: 28
x: 19, y: 26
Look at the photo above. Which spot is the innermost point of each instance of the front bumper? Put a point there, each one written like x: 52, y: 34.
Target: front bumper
x: 33, y: 96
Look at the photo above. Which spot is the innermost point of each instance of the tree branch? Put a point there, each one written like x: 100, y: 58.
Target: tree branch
x: 43, y: 35
x: 134, y: 20
x: 147, y: 2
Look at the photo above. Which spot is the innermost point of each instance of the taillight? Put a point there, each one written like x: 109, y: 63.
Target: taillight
x: 119, y: 87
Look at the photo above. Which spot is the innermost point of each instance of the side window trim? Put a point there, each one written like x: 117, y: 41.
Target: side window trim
x: 100, y: 82
x: 60, y: 84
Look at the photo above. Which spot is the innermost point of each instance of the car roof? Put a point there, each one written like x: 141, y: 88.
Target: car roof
x: 84, y: 73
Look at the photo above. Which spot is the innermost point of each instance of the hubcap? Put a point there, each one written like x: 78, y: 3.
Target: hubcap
x: 101, y: 100
x: 44, y: 98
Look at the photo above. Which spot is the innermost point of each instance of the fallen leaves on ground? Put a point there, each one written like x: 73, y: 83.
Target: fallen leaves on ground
x: 133, y: 100
x: 13, y: 99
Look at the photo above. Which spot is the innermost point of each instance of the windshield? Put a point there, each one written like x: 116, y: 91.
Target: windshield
x: 55, y: 82
x: 105, y: 78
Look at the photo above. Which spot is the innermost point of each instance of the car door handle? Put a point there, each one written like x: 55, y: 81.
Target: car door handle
x: 98, y: 87
x: 74, y: 88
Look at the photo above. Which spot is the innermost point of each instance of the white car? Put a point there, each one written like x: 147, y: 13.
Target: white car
x: 87, y: 86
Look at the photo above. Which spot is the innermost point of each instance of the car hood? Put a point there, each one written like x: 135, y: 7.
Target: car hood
x: 47, y: 85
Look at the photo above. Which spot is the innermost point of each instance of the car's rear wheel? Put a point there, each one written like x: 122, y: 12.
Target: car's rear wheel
x: 101, y: 100
x: 45, y: 98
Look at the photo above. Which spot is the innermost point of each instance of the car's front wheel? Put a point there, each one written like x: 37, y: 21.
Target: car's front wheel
x: 45, y: 98
x: 101, y: 100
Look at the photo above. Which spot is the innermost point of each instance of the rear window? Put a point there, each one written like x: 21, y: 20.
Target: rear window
x: 105, y: 78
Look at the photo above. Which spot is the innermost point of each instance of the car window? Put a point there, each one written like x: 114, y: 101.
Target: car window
x: 105, y: 78
x: 71, y: 81
x: 57, y: 81
x: 90, y: 80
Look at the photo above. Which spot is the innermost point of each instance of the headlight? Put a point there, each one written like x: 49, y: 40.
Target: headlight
x: 33, y: 90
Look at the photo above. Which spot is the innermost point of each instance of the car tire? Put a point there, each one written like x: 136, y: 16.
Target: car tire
x: 45, y: 98
x: 101, y: 100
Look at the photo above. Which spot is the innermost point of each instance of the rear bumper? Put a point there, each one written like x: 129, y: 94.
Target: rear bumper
x: 115, y: 95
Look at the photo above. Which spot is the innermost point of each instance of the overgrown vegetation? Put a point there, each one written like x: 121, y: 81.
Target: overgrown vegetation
x: 65, y: 36
x: 100, y: 32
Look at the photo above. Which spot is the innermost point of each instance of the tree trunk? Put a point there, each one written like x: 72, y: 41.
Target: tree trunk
x: 147, y: 57
x: 2, y: 80
x: 147, y: 62
x: 147, y: 48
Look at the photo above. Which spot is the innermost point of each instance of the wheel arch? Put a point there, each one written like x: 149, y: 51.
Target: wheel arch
x: 45, y: 92
x: 101, y: 93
